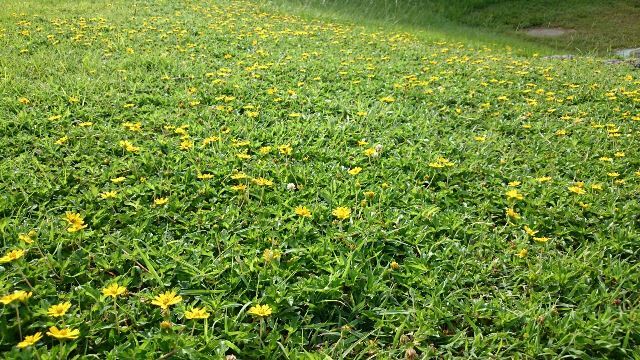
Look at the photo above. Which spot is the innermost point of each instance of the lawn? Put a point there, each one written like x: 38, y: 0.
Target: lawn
x: 211, y: 179
x: 595, y: 26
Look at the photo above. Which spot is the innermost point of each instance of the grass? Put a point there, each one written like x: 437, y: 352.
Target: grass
x: 428, y: 20
x: 383, y: 192
x: 600, y: 26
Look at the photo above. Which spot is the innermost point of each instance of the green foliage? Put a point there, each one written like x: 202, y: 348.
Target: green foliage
x: 495, y: 213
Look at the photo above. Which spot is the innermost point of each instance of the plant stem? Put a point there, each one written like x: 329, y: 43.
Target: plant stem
x: 261, y: 328
x: 19, y: 325
x: 115, y: 308
x: 206, y: 331
x: 25, y: 278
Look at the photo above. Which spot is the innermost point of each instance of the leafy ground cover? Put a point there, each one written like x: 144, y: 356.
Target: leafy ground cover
x: 188, y: 179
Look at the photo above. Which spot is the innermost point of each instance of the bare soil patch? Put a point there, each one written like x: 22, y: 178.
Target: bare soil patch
x: 548, y: 32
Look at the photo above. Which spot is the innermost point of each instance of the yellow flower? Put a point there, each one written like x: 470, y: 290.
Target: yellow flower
x: 394, y: 265
x: 63, y: 334
x: 58, y: 309
x: 514, y: 183
x: 30, y: 340
x: 514, y: 194
x: 239, y: 176
x: 543, y: 179
x: 596, y: 186
x: 118, y: 179
x: 522, y: 253
x: 19, y: 295
x: 541, y: 239
x: 613, y: 174
x: 370, y: 152
x: 269, y: 255
x: 28, y: 237
x: 240, y: 187
x: 166, y: 299
x: 165, y: 325
x: 24, y: 101
x: 530, y: 231
x: 160, y: 201
x: 285, y: 149
x: 355, y: 170
x: 243, y: 156
x: 387, y: 99
x: 512, y: 213
x: 441, y: 163
x: 260, y: 310
x: 341, y: 213
x: 125, y: 144
x: 73, y: 218
x: 265, y: 150
x: 577, y: 190
x: 182, y: 130
x: 196, y: 313
x: 186, y: 145
x: 303, y: 211
x: 132, y: 126
x: 114, y: 290
x: 62, y: 140
x: 262, y: 182
x: 12, y: 255
x: 108, y: 195
x: 369, y: 194
x: 76, y: 223
x: 363, y: 142
x: 210, y: 140
x: 205, y: 176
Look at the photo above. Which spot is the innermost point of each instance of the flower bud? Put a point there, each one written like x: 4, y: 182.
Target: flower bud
x: 410, y: 354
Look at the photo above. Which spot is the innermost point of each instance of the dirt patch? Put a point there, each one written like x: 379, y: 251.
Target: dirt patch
x: 544, y: 32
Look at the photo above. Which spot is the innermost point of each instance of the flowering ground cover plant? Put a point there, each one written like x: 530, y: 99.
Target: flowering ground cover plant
x: 198, y: 179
